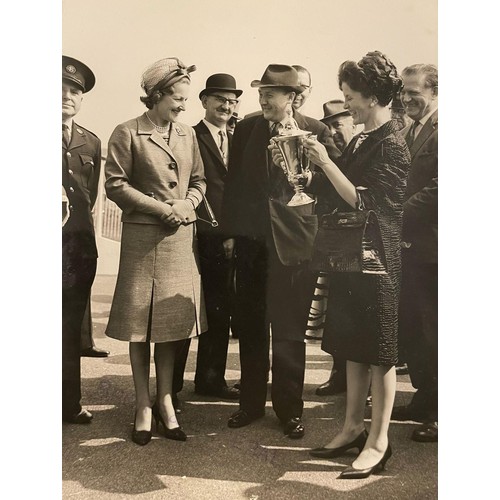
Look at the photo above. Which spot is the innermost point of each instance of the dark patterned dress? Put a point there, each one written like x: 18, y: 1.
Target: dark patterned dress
x: 362, y: 313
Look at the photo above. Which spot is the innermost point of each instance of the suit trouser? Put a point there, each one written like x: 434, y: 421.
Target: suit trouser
x: 419, y: 332
x: 86, y: 340
x: 216, y: 274
x: 271, y: 294
x: 75, y: 293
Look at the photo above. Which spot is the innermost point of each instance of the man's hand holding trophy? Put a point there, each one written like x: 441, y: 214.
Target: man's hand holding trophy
x: 288, y: 152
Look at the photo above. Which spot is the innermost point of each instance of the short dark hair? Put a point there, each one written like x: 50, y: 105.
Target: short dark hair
x: 375, y: 75
x: 429, y: 70
x: 155, y: 96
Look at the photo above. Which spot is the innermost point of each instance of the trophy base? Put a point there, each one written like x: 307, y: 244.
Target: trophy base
x: 300, y: 199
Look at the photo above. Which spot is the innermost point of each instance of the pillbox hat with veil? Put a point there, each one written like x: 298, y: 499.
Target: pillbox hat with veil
x: 164, y: 73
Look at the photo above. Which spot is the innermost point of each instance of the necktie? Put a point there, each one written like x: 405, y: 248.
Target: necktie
x: 221, y: 146
x: 65, y: 135
x: 410, y: 138
x: 275, y: 129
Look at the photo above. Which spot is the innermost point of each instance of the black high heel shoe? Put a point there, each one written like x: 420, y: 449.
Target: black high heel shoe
x: 177, y: 434
x: 352, y: 473
x: 141, y: 437
x: 358, y: 443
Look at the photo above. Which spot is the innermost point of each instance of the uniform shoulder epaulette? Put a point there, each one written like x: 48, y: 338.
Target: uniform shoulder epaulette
x: 79, y: 127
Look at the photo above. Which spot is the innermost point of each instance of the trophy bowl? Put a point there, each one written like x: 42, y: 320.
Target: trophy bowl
x: 296, y: 163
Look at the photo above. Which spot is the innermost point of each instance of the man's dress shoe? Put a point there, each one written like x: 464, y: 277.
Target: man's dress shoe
x: 426, y: 433
x: 223, y: 392
x: 94, y: 352
x: 294, y: 428
x: 83, y: 417
x: 242, y: 418
x: 331, y: 387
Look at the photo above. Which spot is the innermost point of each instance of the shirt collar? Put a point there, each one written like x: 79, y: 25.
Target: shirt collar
x: 214, y: 130
x: 424, y: 119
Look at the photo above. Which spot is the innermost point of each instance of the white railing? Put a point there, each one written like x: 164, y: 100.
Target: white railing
x: 107, y: 215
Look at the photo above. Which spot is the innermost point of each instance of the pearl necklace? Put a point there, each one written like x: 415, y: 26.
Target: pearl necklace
x: 157, y: 127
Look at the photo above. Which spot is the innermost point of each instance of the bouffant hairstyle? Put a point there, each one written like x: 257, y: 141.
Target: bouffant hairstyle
x: 155, y: 96
x: 375, y: 75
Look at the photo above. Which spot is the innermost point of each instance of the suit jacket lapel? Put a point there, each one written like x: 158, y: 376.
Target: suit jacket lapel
x: 77, y: 137
x: 426, y: 131
x: 146, y: 128
x: 206, y: 137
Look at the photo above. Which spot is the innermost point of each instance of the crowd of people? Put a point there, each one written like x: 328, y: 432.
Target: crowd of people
x: 210, y: 245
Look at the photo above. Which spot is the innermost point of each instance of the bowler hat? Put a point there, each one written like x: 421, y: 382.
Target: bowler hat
x: 334, y: 108
x: 280, y: 75
x: 77, y: 72
x: 221, y: 81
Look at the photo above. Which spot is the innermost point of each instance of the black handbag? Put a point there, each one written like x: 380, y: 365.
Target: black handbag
x: 349, y: 242
x: 205, y: 213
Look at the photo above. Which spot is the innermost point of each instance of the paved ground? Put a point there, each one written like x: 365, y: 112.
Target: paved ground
x: 255, y: 462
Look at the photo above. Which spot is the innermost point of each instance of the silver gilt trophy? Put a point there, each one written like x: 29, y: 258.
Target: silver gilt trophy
x: 296, y: 163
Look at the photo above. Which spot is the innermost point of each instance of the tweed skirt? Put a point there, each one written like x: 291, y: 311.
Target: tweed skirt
x: 158, y: 295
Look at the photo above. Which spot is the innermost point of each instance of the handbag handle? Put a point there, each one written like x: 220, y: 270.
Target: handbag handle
x: 213, y: 221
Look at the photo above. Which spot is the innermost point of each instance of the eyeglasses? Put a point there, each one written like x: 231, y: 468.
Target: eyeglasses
x: 223, y: 100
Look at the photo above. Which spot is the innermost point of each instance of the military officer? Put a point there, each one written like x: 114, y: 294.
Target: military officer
x: 81, y: 163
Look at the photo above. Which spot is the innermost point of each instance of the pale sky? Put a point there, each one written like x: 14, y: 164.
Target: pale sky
x: 118, y: 39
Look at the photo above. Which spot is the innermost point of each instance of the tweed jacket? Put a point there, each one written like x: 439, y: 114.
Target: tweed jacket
x: 253, y: 180
x: 420, y: 219
x: 215, y: 175
x: 143, y: 171
x: 81, y: 166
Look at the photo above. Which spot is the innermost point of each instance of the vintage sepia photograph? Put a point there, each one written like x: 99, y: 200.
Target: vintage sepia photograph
x: 250, y: 297
x: 249, y: 249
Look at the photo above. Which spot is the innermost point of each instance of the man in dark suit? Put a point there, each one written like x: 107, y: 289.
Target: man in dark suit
x: 419, y: 293
x: 219, y: 99
x: 81, y: 164
x: 272, y: 243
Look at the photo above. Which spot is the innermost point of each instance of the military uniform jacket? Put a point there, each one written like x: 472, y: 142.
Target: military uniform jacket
x: 81, y: 166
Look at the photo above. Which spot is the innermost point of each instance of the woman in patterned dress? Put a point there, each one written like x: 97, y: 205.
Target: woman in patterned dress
x: 361, y: 323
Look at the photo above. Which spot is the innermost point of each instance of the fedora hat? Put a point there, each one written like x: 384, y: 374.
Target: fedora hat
x: 280, y: 75
x: 221, y: 81
x: 334, y: 108
x: 77, y: 72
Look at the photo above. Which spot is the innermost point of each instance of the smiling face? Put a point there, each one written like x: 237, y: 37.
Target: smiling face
x: 275, y: 102
x: 360, y: 107
x: 172, y: 104
x: 72, y: 97
x: 219, y: 107
x: 418, y: 99
x: 342, y: 128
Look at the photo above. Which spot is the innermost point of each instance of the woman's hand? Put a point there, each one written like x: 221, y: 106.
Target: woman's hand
x: 316, y: 152
x: 181, y: 212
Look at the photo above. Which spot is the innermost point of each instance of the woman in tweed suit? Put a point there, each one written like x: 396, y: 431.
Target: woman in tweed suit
x: 362, y: 321
x: 154, y: 173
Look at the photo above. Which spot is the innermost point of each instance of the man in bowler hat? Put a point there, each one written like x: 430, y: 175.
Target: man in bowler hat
x: 219, y: 98
x: 81, y: 164
x: 272, y: 243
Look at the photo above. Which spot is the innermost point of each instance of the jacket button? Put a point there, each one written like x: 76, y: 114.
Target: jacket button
x: 68, y: 154
x: 70, y: 172
x: 71, y: 189
x: 171, y: 166
x: 172, y: 184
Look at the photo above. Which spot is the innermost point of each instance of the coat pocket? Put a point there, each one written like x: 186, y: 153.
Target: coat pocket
x: 86, y: 170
